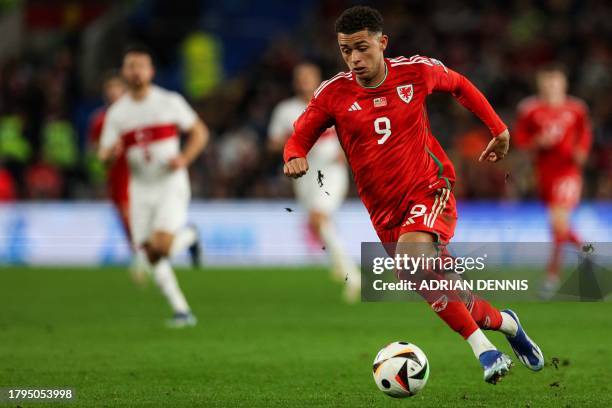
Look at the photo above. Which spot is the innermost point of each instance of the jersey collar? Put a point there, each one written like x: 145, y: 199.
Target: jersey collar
x: 378, y: 84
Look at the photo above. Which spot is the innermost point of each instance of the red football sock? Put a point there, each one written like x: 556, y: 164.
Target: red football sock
x: 573, y: 238
x: 447, y: 305
x: 555, y: 256
x: 455, y: 315
x: 485, y: 315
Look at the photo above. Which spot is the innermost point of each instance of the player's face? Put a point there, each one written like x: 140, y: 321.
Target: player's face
x: 306, y: 79
x: 113, y: 89
x: 137, y: 70
x: 363, y: 53
x: 552, y: 84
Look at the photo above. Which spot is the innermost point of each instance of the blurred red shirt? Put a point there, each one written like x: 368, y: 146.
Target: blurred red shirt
x: 556, y: 133
x: 7, y: 187
x: 118, y: 174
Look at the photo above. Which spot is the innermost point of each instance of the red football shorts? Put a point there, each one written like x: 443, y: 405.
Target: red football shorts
x: 434, y: 212
x: 561, y: 190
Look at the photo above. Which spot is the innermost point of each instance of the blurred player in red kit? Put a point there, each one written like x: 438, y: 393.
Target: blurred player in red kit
x: 557, y: 129
x: 118, y: 175
x: 403, y: 176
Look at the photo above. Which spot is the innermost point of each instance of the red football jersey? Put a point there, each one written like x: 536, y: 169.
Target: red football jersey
x: 385, y: 131
x: 562, y: 129
x: 118, y: 174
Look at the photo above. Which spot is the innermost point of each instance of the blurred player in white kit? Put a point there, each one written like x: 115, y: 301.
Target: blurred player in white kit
x: 145, y: 123
x: 322, y: 190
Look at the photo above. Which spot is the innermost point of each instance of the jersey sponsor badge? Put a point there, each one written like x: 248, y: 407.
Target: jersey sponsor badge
x: 380, y: 102
x: 405, y: 92
x: 438, y: 62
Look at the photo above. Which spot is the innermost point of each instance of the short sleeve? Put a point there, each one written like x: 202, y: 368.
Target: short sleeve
x: 110, y: 131
x: 185, y: 115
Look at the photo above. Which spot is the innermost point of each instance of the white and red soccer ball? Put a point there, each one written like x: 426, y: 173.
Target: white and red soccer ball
x: 401, y: 369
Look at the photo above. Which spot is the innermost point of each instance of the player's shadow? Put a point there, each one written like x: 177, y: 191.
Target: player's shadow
x: 591, y: 281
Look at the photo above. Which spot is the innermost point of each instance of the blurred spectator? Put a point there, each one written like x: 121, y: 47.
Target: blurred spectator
x: 43, y: 181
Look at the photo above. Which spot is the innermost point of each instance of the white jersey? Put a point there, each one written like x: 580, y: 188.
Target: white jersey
x: 149, y: 130
x: 326, y: 150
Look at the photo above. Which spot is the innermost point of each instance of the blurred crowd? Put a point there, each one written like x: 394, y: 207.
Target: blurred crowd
x: 234, y: 67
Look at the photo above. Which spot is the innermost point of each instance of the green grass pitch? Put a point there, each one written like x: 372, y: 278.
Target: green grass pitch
x: 271, y: 338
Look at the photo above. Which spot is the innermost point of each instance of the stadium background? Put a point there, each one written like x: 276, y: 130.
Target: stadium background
x: 233, y: 61
x: 277, y: 335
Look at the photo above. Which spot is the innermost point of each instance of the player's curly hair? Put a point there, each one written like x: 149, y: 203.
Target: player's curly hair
x: 359, y: 18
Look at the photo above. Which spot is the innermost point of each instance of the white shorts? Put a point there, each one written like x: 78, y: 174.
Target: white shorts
x: 158, y: 207
x: 326, y: 198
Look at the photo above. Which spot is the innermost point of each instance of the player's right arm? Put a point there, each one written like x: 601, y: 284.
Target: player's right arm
x: 306, y: 130
x: 110, y: 141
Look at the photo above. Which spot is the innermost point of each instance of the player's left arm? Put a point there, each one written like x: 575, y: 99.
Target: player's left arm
x: 585, y: 138
x: 441, y: 78
x: 197, y: 139
x: 197, y: 134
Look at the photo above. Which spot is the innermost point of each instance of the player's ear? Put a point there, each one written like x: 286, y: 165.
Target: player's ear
x: 384, y: 41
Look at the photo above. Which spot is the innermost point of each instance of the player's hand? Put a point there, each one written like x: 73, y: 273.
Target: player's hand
x: 497, y: 148
x: 178, y: 162
x: 117, y: 150
x: 109, y: 155
x: 580, y: 157
x: 296, y: 168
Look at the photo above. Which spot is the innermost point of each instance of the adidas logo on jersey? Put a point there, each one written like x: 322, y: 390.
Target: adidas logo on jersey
x: 354, y: 107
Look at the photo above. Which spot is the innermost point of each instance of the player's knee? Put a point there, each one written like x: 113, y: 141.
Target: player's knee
x: 152, y: 254
x: 559, y: 227
x: 316, y: 221
x: 163, y: 250
x: 161, y: 244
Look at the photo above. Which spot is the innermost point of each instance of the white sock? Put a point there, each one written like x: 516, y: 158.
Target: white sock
x: 508, y: 325
x: 140, y: 262
x: 480, y: 343
x: 165, y: 279
x: 340, y: 261
x: 183, y: 239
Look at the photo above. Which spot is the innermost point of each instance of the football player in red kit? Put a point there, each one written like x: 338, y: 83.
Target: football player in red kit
x: 557, y: 129
x: 118, y: 174
x: 403, y: 176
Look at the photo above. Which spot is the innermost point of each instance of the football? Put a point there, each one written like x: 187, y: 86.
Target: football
x: 400, y: 369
